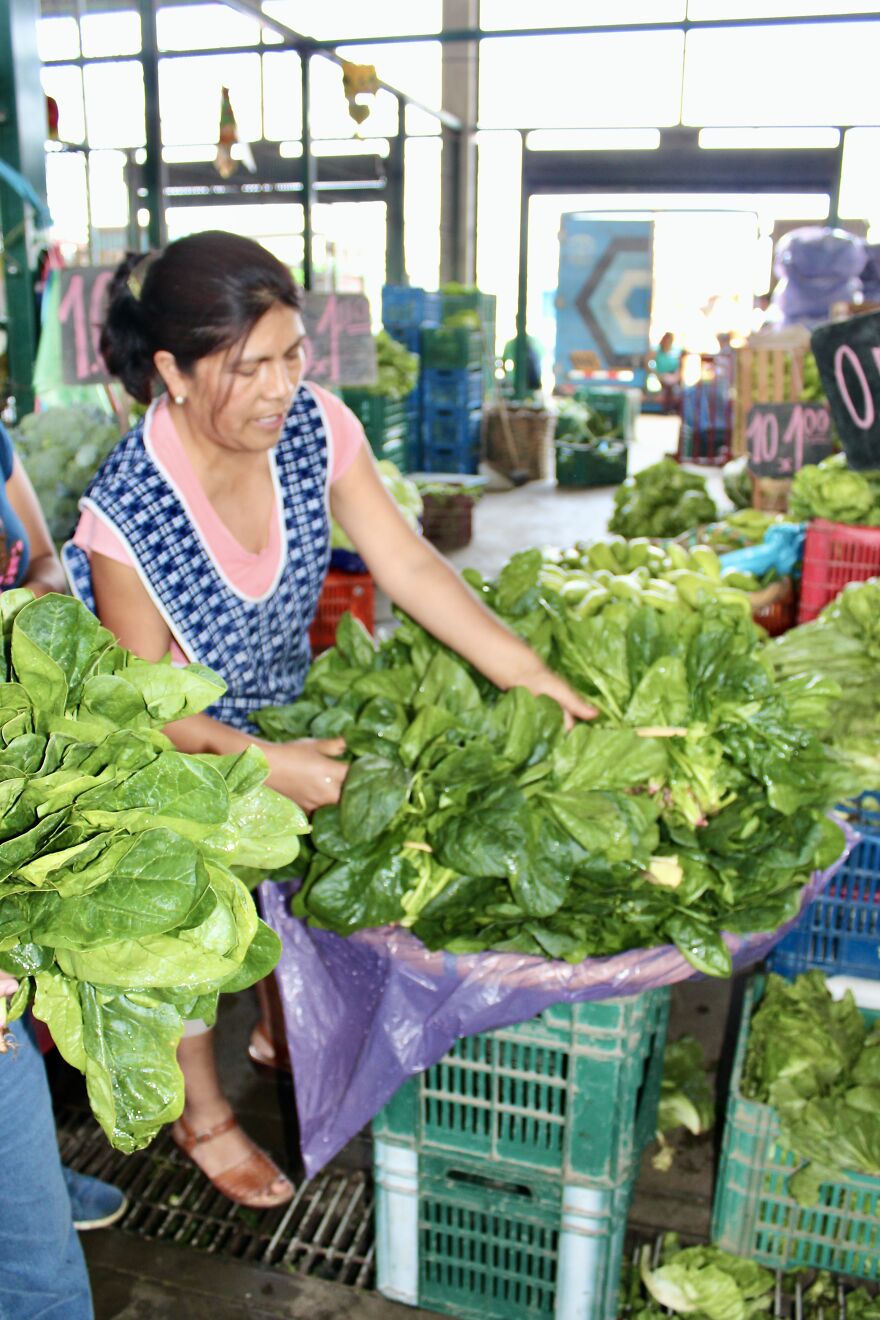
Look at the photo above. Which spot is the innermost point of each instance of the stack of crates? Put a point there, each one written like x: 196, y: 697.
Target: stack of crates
x: 452, y: 399
x: 484, y: 306
x: 504, y: 1173
x: 754, y: 1213
x: 384, y: 420
x: 405, y: 313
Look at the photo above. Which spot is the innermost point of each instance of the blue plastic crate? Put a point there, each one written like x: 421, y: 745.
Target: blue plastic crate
x: 450, y: 428
x: 455, y: 388
x: 458, y: 461
x: 405, y: 306
x: 408, y: 335
x: 840, y: 931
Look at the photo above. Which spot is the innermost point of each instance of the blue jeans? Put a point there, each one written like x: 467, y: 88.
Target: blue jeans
x: 42, y: 1270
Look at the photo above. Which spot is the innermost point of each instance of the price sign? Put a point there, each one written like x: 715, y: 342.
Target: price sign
x: 784, y: 437
x: 340, y: 349
x: 848, y: 358
x: 80, y: 312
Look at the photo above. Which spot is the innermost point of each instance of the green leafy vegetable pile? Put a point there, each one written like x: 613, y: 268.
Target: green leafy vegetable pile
x: 61, y: 449
x: 397, y: 370
x: 661, y: 500
x: 707, y: 1283
x: 745, y: 527
x: 694, y: 804
x: 839, y: 653
x: 120, y: 903
x: 816, y: 1062
x: 685, y: 1095
x: 737, y: 482
x: 579, y: 423
x: 831, y: 490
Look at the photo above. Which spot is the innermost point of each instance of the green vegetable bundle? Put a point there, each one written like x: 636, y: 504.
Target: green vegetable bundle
x: 577, y: 422
x: 707, y: 1283
x: 61, y: 449
x: 661, y: 500
x: 122, y: 905
x: 694, y: 804
x: 831, y: 490
x: 737, y: 482
x: 685, y: 1096
x: 397, y: 370
x: 402, y: 490
x: 816, y: 1062
x: 838, y: 653
x: 589, y: 575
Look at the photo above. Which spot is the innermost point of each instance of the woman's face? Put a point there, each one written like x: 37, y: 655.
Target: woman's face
x: 239, y: 398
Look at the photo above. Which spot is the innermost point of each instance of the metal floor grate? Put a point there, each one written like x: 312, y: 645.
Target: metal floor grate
x: 326, y: 1230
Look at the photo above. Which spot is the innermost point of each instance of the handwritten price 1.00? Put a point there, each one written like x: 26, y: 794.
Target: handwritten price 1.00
x: 784, y: 450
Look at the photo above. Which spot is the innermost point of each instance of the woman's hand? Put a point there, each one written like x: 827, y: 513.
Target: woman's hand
x: 305, y: 771
x: 543, y: 682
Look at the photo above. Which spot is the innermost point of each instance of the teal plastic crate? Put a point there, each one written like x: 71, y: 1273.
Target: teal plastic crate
x: 754, y: 1215
x: 383, y: 419
x: 474, y: 301
x: 617, y: 404
x: 583, y: 466
x: 572, y: 1094
x: 485, y: 1242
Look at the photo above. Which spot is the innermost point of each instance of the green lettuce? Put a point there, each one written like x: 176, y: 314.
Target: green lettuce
x: 123, y: 902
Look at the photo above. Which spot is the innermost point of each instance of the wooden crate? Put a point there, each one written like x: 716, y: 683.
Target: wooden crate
x: 769, y: 368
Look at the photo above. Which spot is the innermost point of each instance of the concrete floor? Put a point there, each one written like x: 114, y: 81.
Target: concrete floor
x: 135, y: 1279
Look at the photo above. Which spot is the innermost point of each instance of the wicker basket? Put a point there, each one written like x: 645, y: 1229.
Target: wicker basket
x: 447, y: 521
x: 526, y: 446
x: 775, y: 607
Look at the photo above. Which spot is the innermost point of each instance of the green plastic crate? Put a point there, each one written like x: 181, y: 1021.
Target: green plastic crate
x: 572, y: 1094
x: 481, y: 1242
x: 754, y: 1215
x: 450, y: 347
x: 383, y: 419
x: 394, y: 451
x: 617, y: 404
x: 580, y: 465
x: 481, y: 303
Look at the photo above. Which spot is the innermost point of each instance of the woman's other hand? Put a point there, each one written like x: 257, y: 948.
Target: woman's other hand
x: 305, y: 770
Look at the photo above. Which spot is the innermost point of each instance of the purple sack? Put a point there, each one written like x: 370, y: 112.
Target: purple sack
x: 365, y: 1013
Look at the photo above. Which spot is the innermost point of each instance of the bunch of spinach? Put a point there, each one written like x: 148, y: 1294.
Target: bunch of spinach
x: 838, y: 654
x: 816, y: 1062
x: 122, y: 903
x: 661, y: 500
x: 693, y: 805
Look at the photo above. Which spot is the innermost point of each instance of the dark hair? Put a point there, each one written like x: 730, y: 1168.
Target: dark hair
x: 200, y: 295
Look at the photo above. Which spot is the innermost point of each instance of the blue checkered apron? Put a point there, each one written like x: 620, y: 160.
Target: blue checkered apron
x: 259, y: 646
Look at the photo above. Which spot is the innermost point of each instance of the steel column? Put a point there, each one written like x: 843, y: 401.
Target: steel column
x: 308, y: 170
x: 22, y: 145
x: 154, y: 170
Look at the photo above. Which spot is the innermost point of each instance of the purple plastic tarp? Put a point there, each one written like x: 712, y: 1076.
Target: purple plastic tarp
x: 365, y: 1013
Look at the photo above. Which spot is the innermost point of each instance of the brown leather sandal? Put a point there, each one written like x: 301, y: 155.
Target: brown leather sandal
x: 266, y: 1054
x: 249, y: 1181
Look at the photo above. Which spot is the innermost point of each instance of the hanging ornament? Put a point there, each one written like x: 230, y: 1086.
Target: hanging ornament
x: 52, y: 118
x: 358, y: 80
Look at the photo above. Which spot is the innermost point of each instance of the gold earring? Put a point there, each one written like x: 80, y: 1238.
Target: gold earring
x: 180, y: 400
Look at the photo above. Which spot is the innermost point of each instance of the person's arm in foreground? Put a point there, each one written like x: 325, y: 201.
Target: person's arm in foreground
x: 427, y: 587
x: 44, y: 572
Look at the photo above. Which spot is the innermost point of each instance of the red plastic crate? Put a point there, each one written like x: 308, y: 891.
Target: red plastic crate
x: 342, y: 592
x: 835, y: 554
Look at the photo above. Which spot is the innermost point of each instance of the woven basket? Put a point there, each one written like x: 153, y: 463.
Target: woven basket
x: 531, y: 437
x: 775, y: 607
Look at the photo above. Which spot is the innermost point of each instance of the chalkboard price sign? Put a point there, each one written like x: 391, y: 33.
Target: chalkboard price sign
x: 848, y: 358
x: 340, y: 348
x: 784, y: 437
x: 80, y: 312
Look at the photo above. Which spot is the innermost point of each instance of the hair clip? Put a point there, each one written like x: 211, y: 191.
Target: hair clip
x: 138, y: 274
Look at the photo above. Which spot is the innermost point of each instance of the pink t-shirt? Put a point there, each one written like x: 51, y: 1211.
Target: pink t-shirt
x: 253, y: 575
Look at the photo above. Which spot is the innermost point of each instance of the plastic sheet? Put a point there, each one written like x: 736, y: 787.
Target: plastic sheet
x: 365, y: 1013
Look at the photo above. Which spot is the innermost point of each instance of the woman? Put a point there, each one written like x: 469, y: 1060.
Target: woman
x: 206, y: 533
x: 42, y: 1270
